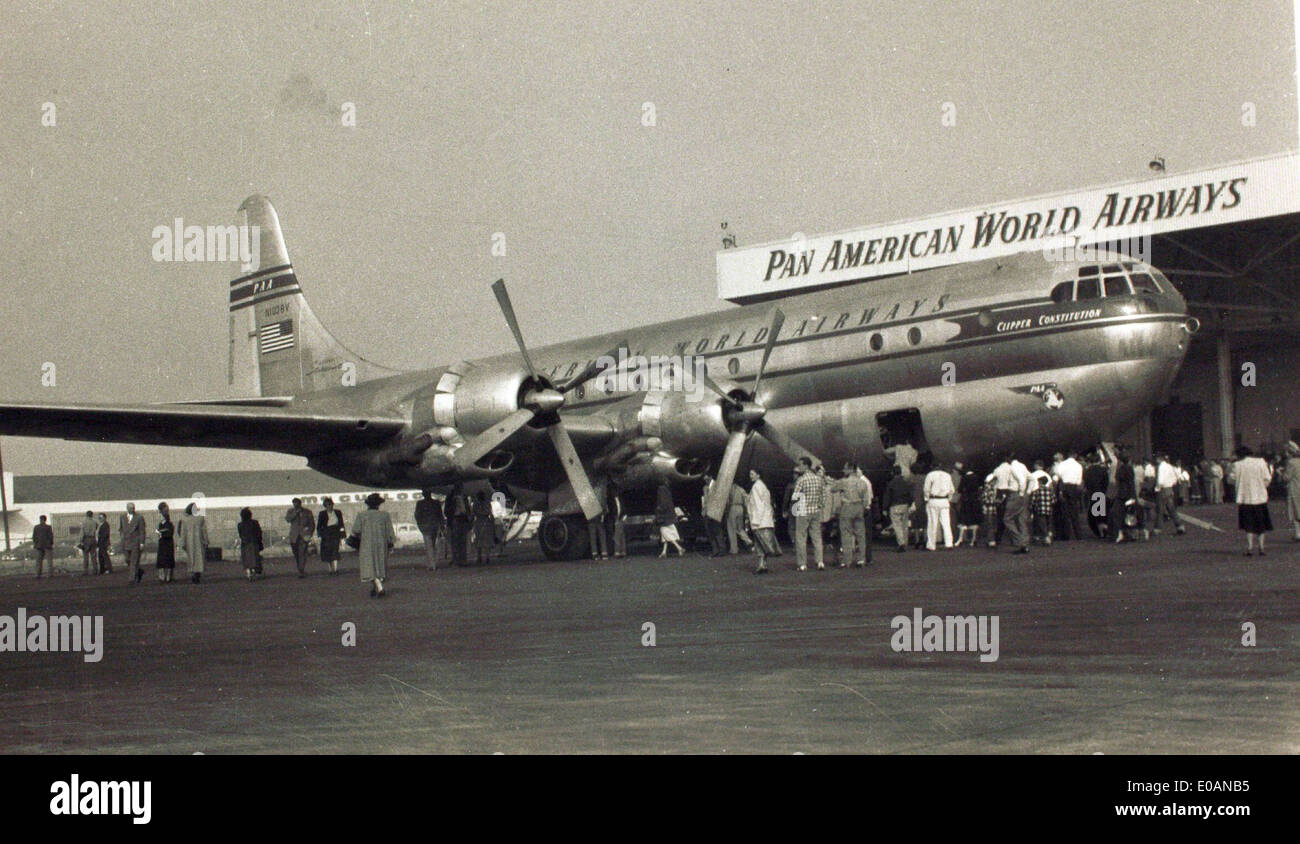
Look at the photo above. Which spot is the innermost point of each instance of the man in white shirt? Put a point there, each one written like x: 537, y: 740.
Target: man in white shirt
x: 1015, y: 516
x: 1069, y: 473
x: 1166, y: 499
x: 938, y: 490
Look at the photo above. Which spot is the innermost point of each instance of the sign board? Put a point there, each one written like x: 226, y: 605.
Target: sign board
x: 1125, y: 215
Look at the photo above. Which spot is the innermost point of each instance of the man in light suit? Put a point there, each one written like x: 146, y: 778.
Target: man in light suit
x: 131, y: 530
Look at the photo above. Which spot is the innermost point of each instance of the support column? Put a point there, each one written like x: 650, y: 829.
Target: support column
x: 1227, y: 427
x: 4, y: 503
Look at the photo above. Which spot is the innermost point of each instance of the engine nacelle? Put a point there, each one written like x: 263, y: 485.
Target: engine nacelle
x: 689, y: 424
x: 472, y: 398
x: 660, y: 468
x: 438, y: 461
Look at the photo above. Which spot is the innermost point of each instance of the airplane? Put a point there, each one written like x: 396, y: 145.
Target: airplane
x: 962, y: 362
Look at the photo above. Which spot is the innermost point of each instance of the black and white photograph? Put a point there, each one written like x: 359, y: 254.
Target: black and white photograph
x: 887, y: 378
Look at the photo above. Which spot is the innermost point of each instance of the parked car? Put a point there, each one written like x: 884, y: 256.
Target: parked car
x: 408, y: 535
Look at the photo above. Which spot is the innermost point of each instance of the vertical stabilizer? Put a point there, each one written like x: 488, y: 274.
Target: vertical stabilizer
x: 277, y: 345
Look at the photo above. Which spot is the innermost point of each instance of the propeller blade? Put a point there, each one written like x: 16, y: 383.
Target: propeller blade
x: 587, y: 498
x: 593, y: 369
x: 785, y: 443
x: 778, y: 319
x: 716, y: 505
x: 713, y: 385
x: 474, y: 450
x: 503, y: 299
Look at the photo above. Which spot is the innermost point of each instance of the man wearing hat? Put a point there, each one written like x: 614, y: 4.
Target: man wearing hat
x: 854, y: 504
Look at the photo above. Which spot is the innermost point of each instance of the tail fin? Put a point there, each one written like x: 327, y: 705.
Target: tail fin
x: 277, y: 345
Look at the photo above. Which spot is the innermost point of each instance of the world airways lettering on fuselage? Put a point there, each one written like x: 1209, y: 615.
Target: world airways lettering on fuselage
x: 946, y: 358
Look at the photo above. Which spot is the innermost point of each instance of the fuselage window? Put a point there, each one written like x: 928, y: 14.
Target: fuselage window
x: 1063, y: 292
x: 914, y: 335
x: 877, y: 342
x: 1089, y: 288
x: 1117, y: 285
x: 1144, y: 283
x: 733, y: 366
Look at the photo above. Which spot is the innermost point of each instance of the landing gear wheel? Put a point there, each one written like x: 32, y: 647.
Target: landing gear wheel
x: 564, y: 537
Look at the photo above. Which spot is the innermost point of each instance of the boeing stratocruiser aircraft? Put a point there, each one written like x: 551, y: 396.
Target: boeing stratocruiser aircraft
x: 962, y: 362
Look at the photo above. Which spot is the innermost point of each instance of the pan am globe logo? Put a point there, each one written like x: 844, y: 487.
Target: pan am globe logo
x: 1049, y: 393
x: 653, y: 373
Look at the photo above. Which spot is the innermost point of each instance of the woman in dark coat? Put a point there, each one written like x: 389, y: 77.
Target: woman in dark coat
x: 1125, y: 491
x: 166, y: 558
x: 970, y: 506
x: 329, y: 527
x: 250, y: 544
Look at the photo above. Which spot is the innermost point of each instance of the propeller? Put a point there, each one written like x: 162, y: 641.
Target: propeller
x: 540, y: 401
x: 744, y: 416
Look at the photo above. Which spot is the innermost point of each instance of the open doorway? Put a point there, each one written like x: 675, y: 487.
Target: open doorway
x: 897, y: 427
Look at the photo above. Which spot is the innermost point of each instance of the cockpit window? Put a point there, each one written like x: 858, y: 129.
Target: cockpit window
x: 1144, y: 283
x: 1086, y: 271
x: 1063, y: 292
x: 1117, y: 285
x: 1111, y: 268
x: 1089, y: 288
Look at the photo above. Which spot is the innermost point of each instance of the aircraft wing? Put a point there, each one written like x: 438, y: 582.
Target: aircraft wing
x: 236, y: 425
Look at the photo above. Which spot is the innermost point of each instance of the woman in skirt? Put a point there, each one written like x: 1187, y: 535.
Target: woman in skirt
x: 330, y: 529
x: 166, y: 545
x: 1253, y: 476
x: 666, y: 519
x: 763, y: 522
x: 970, y: 507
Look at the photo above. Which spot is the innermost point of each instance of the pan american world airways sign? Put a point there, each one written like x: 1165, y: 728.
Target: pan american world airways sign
x: 1057, y: 225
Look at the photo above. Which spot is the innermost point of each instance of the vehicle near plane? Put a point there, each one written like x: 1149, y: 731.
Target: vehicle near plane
x: 961, y: 362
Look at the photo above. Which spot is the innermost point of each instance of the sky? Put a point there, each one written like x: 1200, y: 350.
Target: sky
x: 530, y: 120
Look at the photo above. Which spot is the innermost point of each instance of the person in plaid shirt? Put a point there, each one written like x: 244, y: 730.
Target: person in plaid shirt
x: 989, y: 500
x: 807, y: 503
x: 1042, y: 494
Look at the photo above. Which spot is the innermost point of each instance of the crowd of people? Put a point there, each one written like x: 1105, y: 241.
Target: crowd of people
x: 1070, y: 498
x: 927, y: 505
x: 373, y: 536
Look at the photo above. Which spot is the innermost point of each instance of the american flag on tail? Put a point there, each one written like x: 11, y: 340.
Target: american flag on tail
x: 276, y: 336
